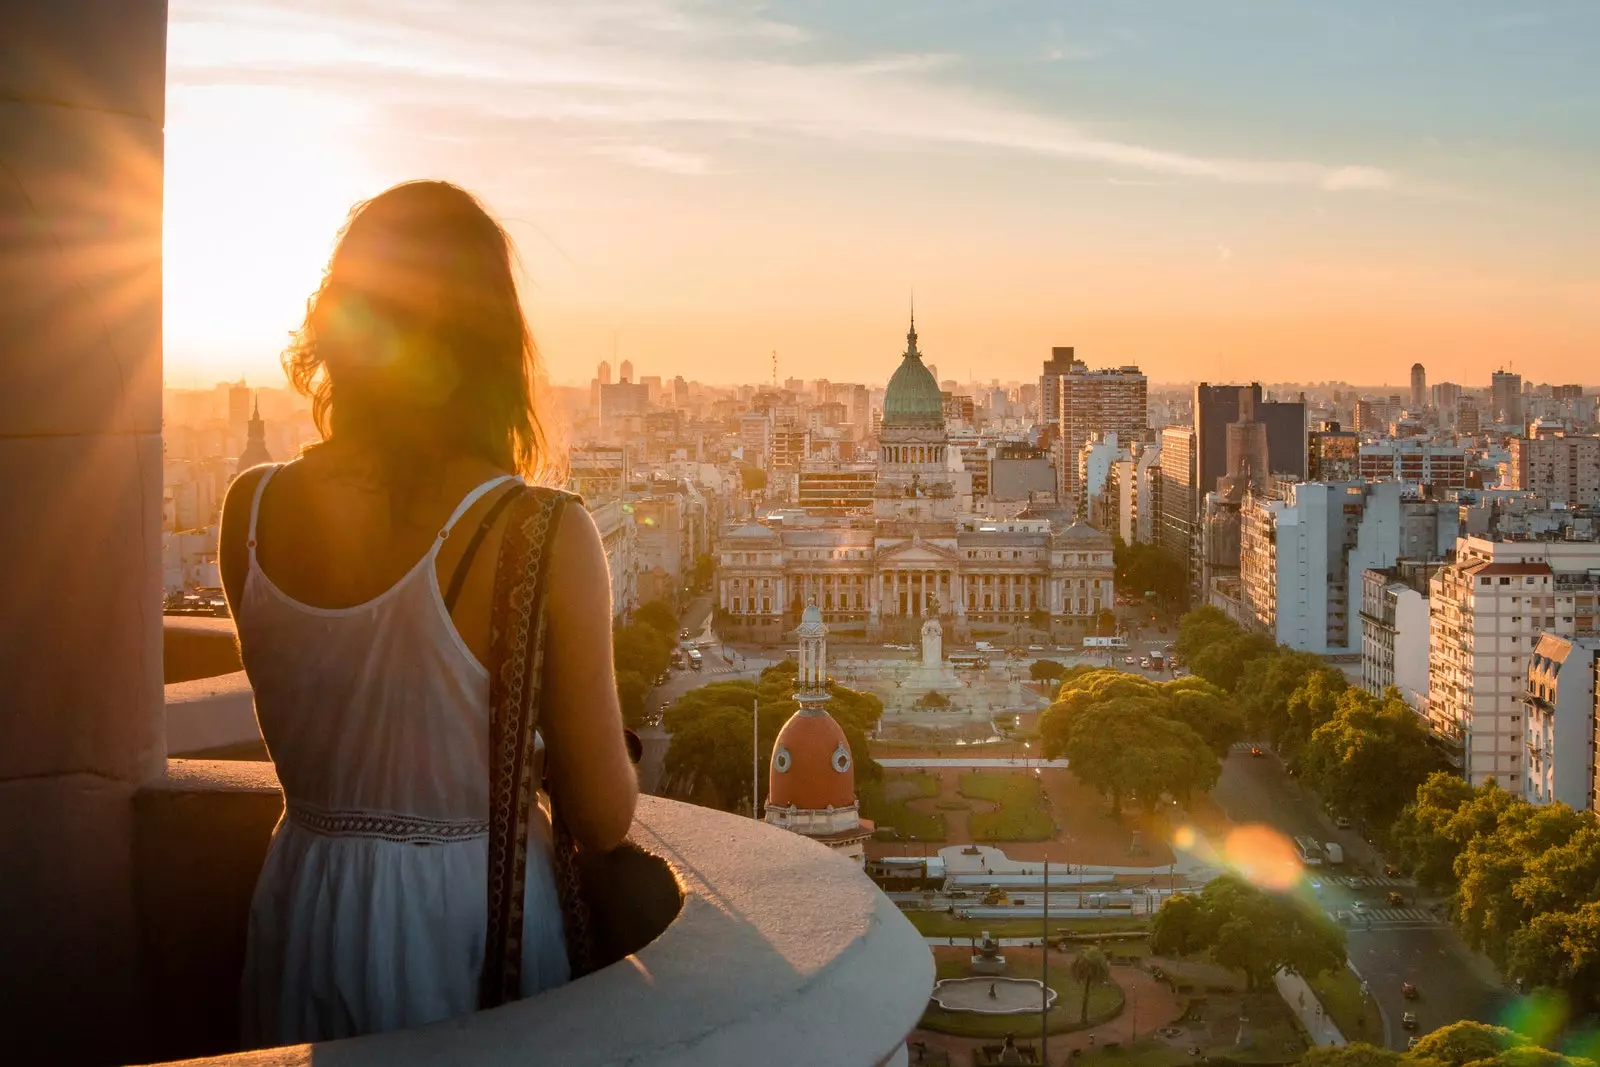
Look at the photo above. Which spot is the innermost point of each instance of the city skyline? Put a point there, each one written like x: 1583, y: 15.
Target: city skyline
x: 696, y: 186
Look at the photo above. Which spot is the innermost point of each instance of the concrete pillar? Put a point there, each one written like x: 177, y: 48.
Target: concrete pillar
x: 82, y: 91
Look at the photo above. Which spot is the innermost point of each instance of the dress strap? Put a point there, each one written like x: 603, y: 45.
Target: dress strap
x: 470, y: 499
x: 255, y: 507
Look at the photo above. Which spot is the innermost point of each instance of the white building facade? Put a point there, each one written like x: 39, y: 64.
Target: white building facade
x: 1560, y: 700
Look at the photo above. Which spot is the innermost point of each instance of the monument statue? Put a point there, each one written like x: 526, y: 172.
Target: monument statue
x: 932, y: 644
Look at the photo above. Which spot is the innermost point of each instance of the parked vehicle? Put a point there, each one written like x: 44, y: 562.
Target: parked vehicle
x: 1342, y: 823
x: 1408, y: 990
x: 1409, y: 1020
x: 1396, y: 900
x: 1334, y: 852
x: 1255, y: 750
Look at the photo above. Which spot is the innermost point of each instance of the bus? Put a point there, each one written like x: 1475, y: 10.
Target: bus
x: 695, y: 659
x: 968, y: 661
x: 1158, y: 660
x: 1310, y: 852
x: 1104, y: 643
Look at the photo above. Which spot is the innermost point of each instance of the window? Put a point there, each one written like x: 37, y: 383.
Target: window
x: 1505, y: 581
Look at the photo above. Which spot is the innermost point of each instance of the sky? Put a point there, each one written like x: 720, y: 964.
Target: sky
x: 1211, y: 189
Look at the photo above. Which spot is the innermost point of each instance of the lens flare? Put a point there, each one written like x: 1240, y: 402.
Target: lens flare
x: 1540, y: 1017
x: 1264, y: 857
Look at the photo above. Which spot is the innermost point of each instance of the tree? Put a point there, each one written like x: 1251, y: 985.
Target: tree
x: 1143, y: 568
x: 1177, y: 929
x: 1222, y: 663
x: 1253, y: 931
x: 659, y: 616
x: 1359, y: 1054
x: 1046, y: 670
x: 1091, y: 968
x: 633, y: 689
x: 1466, y: 1042
x: 1266, y: 685
x: 1428, y: 834
x: 1207, y: 710
x: 1369, y: 759
x: 1202, y: 628
x: 1315, y: 702
x: 704, y: 568
x: 639, y: 647
x: 752, y: 478
x: 1489, y: 909
x: 1123, y: 746
x: 1561, y: 950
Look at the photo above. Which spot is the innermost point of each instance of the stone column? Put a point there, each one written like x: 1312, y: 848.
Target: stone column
x: 82, y: 93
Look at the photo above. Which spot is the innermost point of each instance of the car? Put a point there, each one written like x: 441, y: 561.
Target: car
x: 1342, y: 823
x: 683, y: 635
x: 1129, y: 660
x: 1255, y: 750
x: 1395, y: 900
x: 1391, y: 871
x: 1411, y: 1042
x: 1409, y: 990
x: 1144, y: 662
x: 1409, y: 1020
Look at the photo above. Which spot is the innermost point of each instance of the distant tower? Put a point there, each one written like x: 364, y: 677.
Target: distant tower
x: 255, y: 450
x: 625, y: 372
x: 812, y: 784
x: 1419, y: 387
x: 603, y: 375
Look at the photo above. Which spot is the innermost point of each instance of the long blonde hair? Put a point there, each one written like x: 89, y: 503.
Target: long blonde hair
x: 415, y: 345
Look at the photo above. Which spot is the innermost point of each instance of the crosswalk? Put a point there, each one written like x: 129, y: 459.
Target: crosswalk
x: 1386, y: 917
x: 1368, y: 881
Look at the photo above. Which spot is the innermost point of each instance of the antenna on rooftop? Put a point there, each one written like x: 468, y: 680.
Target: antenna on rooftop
x: 774, y: 370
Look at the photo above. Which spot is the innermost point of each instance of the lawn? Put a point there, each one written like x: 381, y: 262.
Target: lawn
x: 1105, y: 1002
x: 943, y: 924
x: 884, y: 802
x: 1023, y: 813
x: 1355, y: 1015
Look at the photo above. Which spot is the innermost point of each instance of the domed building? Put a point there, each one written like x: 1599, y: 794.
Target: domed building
x: 255, y: 450
x: 812, y: 785
x: 913, y: 448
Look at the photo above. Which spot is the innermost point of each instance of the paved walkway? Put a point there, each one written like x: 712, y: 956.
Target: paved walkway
x: 1304, y: 1003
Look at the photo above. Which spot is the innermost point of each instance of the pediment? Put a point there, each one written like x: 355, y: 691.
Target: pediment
x: 913, y: 552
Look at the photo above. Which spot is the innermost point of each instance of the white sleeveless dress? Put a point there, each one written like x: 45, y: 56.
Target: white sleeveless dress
x: 371, y: 908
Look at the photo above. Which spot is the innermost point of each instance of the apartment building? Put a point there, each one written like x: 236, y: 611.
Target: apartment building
x: 1560, y: 703
x: 1563, y: 470
x: 1415, y: 461
x: 1486, y: 611
x: 1298, y: 555
x: 1394, y: 630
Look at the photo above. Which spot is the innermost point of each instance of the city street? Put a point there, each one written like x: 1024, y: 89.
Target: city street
x: 1404, y: 944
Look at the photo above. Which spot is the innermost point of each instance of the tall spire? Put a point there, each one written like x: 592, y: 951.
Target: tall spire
x: 911, y: 335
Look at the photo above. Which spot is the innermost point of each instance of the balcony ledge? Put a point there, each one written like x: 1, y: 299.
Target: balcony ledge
x: 782, y: 953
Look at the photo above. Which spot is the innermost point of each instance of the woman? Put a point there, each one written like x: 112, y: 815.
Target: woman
x: 372, y: 694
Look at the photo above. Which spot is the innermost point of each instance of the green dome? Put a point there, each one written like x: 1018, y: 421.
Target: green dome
x: 912, y: 398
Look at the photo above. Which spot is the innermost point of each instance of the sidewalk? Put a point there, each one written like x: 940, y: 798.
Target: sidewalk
x: 1304, y: 1003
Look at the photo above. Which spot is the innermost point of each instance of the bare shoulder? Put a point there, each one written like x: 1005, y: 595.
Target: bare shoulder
x: 578, y: 556
x: 235, y: 527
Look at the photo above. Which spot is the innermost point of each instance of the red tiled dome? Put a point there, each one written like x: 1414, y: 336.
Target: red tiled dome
x: 812, y: 768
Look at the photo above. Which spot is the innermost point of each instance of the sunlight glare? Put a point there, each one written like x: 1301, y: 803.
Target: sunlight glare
x: 258, y: 182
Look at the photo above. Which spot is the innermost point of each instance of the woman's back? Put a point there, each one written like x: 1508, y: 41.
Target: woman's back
x: 371, y: 690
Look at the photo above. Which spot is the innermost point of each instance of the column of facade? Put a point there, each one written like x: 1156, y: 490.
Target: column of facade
x: 81, y: 117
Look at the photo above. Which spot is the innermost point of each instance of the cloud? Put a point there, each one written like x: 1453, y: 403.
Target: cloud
x: 661, y: 85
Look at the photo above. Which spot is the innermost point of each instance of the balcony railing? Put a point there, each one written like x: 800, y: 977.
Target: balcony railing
x: 733, y: 938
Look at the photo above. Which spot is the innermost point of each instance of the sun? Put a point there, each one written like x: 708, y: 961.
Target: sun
x: 258, y: 181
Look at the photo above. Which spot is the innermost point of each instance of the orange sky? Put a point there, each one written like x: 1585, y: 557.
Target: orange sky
x: 701, y: 184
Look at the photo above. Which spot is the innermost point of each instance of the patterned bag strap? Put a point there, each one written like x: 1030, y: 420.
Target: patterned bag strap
x: 516, y: 637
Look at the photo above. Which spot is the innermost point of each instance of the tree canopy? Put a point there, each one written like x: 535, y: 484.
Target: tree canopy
x: 1143, y: 568
x: 1130, y: 737
x: 709, y: 757
x: 1250, y: 930
x: 1369, y: 758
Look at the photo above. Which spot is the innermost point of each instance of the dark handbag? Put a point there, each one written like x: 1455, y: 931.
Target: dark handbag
x: 516, y: 662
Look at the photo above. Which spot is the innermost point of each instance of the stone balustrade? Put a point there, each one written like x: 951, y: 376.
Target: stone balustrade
x: 736, y: 943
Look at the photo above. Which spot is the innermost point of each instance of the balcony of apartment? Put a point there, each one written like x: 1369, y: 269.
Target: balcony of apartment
x: 128, y: 872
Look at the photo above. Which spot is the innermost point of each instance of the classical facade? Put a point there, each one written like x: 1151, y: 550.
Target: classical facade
x: 914, y: 556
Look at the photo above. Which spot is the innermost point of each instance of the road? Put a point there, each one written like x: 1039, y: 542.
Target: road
x: 1404, y: 944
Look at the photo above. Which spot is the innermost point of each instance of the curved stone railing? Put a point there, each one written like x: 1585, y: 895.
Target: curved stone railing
x: 209, y: 706
x: 738, y: 944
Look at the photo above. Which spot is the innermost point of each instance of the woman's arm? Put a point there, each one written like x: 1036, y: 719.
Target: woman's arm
x: 591, y: 779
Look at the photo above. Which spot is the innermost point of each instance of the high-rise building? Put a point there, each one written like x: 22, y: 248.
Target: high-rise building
x: 1055, y: 368
x: 1419, y: 387
x: 1562, y: 393
x: 1179, y: 497
x: 1505, y: 397
x: 625, y: 372
x: 1394, y: 629
x: 1246, y: 446
x: 1109, y: 401
x: 1446, y: 395
x: 1469, y: 420
x: 1332, y: 455
x: 1299, y: 556
x: 602, y: 373
x: 1486, y: 612
x: 1216, y: 406
x: 1562, y: 470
